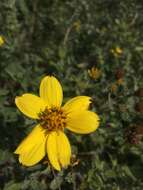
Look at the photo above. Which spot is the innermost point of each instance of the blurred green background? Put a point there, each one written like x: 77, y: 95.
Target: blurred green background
x: 94, y: 48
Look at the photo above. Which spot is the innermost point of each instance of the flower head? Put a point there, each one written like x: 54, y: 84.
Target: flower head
x: 1, y: 40
x: 94, y: 73
x: 134, y: 134
x: 77, y: 25
x: 48, y: 136
x: 117, y: 51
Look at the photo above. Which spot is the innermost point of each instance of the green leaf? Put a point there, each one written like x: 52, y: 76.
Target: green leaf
x: 128, y: 172
x: 12, y: 186
x: 56, y: 183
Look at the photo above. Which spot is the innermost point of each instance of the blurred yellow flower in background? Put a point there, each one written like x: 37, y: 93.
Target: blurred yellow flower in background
x: 77, y: 25
x: 94, y: 72
x: 120, y: 81
x: 114, y: 88
x: 48, y: 136
x: 116, y: 84
x: 117, y: 51
x: 1, y: 40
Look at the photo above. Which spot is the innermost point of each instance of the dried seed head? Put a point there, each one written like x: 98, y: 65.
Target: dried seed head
x: 119, y: 73
x: 139, y: 92
x: 134, y: 134
x: 139, y: 107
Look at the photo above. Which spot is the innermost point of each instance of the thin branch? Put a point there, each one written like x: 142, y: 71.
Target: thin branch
x: 55, y: 177
x: 73, y: 179
x: 67, y: 34
x: 134, y: 20
x: 90, y: 153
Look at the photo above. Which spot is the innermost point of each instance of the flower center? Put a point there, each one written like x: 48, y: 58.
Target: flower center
x: 53, y: 119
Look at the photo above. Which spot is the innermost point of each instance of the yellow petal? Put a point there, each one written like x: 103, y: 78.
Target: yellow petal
x: 64, y: 149
x: 77, y: 103
x: 32, y: 148
x: 52, y: 150
x: 36, y: 135
x: 31, y: 105
x: 58, y: 149
x: 51, y: 91
x: 82, y: 122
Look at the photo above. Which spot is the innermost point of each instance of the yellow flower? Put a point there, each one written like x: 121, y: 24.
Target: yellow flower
x: 117, y: 51
x: 114, y: 88
x: 1, y: 40
x: 94, y: 73
x: 48, y: 136
x: 77, y: 25
x: 120, y: 81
